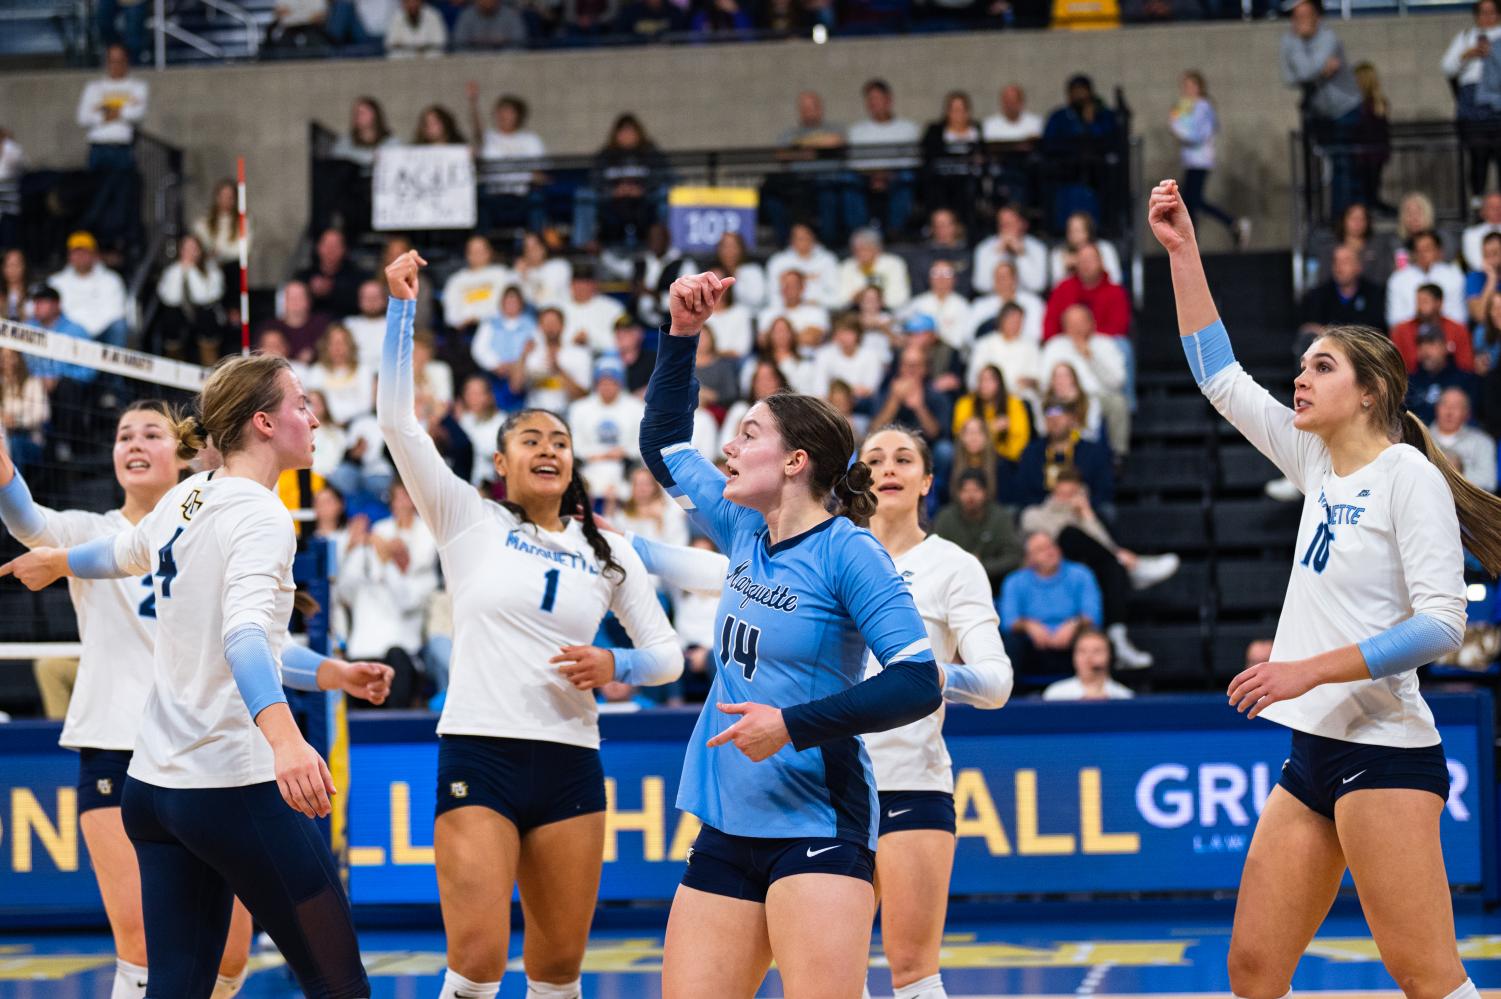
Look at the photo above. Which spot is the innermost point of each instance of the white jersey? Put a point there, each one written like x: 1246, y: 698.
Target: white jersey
x: 219, y: 549
x: 1374, y: 548
x: 116, y: 626
x: 952, y: 594
x: 519, y: 592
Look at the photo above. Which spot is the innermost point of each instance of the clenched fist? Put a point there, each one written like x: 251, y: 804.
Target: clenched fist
x: 692, y: 301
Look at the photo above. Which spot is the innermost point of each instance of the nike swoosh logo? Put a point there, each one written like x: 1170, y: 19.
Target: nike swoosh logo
x: 1349, y: 779
x: 894, y: 814
x: 813, y: 853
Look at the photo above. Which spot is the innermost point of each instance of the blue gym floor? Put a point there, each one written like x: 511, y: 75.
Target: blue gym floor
x: 1036, y: 950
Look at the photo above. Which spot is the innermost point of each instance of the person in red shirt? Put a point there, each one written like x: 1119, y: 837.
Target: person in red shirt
x: 1089, y: 285
x: 1430, y: 315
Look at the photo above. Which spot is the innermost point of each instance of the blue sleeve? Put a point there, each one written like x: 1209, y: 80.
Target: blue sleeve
x: 254, y: 667
x: 18, y: 511
x: 1010, y: 603
x: 667, y: 444
x: 94, y: 559
x: 1090, y: 603
x: 299, y: 667
x: 1208, y: 351
x: 1415, y: 642
x: 881, y: 607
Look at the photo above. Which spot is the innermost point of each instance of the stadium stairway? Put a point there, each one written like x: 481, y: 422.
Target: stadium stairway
x: 1193, y: 486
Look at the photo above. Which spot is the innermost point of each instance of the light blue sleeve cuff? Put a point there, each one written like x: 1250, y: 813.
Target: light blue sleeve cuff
x: 254, y: 667
x: 299, y: 667
x: 94, y: 559
x: 1208, y: 351
x: 1415, y: 642
x: 18, y: 511
x: 645, y: 667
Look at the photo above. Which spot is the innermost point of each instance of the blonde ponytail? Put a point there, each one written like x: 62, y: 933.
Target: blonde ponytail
x: 1479, y: 511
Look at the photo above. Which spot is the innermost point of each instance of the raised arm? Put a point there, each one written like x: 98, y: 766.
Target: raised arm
x: 682, y: 566
x: 657, y: 657
x: 984, y: 679
x: 23, y: 518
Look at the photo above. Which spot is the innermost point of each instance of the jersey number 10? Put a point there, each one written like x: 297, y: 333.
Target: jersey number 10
x: 738, y: 642
x: 1317, y: 556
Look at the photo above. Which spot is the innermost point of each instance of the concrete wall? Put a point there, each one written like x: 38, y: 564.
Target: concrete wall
x: 741, y: 95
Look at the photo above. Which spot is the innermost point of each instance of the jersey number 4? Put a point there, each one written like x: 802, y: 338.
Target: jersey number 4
x: 1317, y: 556
x: 165, y: 568
x: 738, y: 642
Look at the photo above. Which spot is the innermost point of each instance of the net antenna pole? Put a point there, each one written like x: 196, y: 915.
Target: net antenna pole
x: 244, y: 258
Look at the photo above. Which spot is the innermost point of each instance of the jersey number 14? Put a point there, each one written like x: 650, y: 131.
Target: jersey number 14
x: 738, y: 642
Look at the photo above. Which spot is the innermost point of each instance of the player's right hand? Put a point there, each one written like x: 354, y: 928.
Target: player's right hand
x: 691, y: 301
x: 401, y: 275
x: 38, y: 568
x: 303, y: 778
x: 1168, y: 217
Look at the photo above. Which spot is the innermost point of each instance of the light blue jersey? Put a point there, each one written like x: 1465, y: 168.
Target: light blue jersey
x: 793, y: 626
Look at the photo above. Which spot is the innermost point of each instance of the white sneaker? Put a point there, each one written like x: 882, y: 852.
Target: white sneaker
x: 1153, y: 569
x: 1283, y: 491
x: 1127, y: 656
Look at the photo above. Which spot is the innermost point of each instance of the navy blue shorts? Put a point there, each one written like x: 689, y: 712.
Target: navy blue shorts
x: 745, y: 866
x: 902, y: 810
x: 1319, y: 771
x: 530, y: 782
x: 101, y: 778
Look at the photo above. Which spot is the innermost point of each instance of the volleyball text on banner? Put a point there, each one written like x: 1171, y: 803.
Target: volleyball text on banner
x: 423, y: 187
x: 699, y: 217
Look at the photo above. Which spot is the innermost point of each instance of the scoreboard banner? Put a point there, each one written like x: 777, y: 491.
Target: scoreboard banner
x: 699, y: 217
x: 1154, y: 795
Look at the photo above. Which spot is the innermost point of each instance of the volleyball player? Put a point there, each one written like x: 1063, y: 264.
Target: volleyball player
x: 116, y: 629
x: 218, y: 752
x: 1377, y: 590
x: 521, y: 793
x: 783, y: 865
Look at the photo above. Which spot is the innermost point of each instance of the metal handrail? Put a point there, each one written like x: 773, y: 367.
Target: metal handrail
x: 165, y: 27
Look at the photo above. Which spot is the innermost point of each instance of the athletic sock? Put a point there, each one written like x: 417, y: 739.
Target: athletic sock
x: 456, y: 986
x: 547, y: 990
x: 228, y: 986
x: 927, y: 988
x: 130, y: 981
x: 1287, y: 995
x: 1465, y: 991
x: 865, y: 991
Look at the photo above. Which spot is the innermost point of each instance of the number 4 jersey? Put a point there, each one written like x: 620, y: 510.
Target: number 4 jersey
x: 1374, y: 548
x: 219, y: 549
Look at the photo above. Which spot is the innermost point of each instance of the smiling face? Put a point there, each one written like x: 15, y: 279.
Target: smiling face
x: 898, y: 475
x: 1325, y: 393
x: 536, y: 460
x: 759, y: 464
x: 146, y: 463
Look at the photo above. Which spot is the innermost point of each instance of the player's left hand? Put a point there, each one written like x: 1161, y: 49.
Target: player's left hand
x: 1267, y: 683
x: 38, y: 568
x: 759, y: 734
x: 367, y: 681
x: 585, y: 666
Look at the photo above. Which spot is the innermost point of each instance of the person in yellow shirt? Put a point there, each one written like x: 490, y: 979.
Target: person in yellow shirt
x: 1004, y: 414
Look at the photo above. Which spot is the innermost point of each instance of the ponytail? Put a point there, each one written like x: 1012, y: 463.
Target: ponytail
x: 1479, y: 511
x: 853, y: 494
x: 191, y: 436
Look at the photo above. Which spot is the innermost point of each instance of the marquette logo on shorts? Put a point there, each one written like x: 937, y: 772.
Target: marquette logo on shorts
x: 105, y: 786
x: 459, y: 789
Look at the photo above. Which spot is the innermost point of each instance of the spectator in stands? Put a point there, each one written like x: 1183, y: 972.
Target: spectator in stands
x: 436, y: 126
x: 218, y: 232
x: 1314, y: 63
x: 191, y: 293
x: 1091, y: 286
x: 1091, y: 680
x: 348, y: 387
x: 387, y: 573
x: 1013, y: 123
x: 718, y: 375
x: 881, y: 178
x: 1101, y: 368
x: 953, y: 159
x: 1011, y: 242
x: 634, y: 356
x: 1004, y: 415
x: 1488, y: 343
x: 1436, y: 372
x: 12, y: 166
x: 750, y: 277
x: 1464, y: 64
x: 369, y: 324
x: 1010, y: 350
x: 818, y: 267
x: 651, y: 270
x: 629, y: 173
x: 845, y: 359
x: 488, y: 24
x: 1076, y: 139
x: 1430, y: 318
x: 985, y: 311
x: 1415, y: 214
x: 588, y: 18
x: 472, y: 294
x: 1475, y: 448
x: 416, y: 29
x: 976, y: 524
x: 733, y: 322
x: 432, y: 378
x: 368, y: 132
x: 778, y: 343
x: 341, y: 183
x: 800, y: 193
x: 648, y: 512
x: 1345, y: 299
x: 506, y: 199
x: 869, y: 264
x: 298, y: 24
x: 109, y: 109
x: 49, y: 315
x: 133, y: 39
x: 974, y: 451
x: 332, y: 279
x: 714, y: 17
x: 1427, y: 266
x: 476, y: 413
x: 945, y: 363
x: 298, y: 323
x: 766, y: 379
x: 1481, y: 282
x: 1377, y: 250
x: 92, y: 295
x: 648, y: 20
x: 879, y: 329
x: 500, y: 345
x: 544, y: 279
x: 948, y: 309
x: 24, y: 410
x: 588, y: 316
x: 15, y: 285
x: 554, y: 372
x: 606, y: 425
x: 1042, y: 607
x: 1062, y: 384
x: 1473, y: 240
x: 329, y: 444
x: 1195, y: 124
x: 1080, y: 231
x: 1373, y: 136
x: 1062, y: 447
x: 912, y: 401
x: 803, y: 315
x: 946, y: 243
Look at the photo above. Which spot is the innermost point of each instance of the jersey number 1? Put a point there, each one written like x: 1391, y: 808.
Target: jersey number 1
x: 551, y: 593
x: 1317, y: 556
x: 738, y: 642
